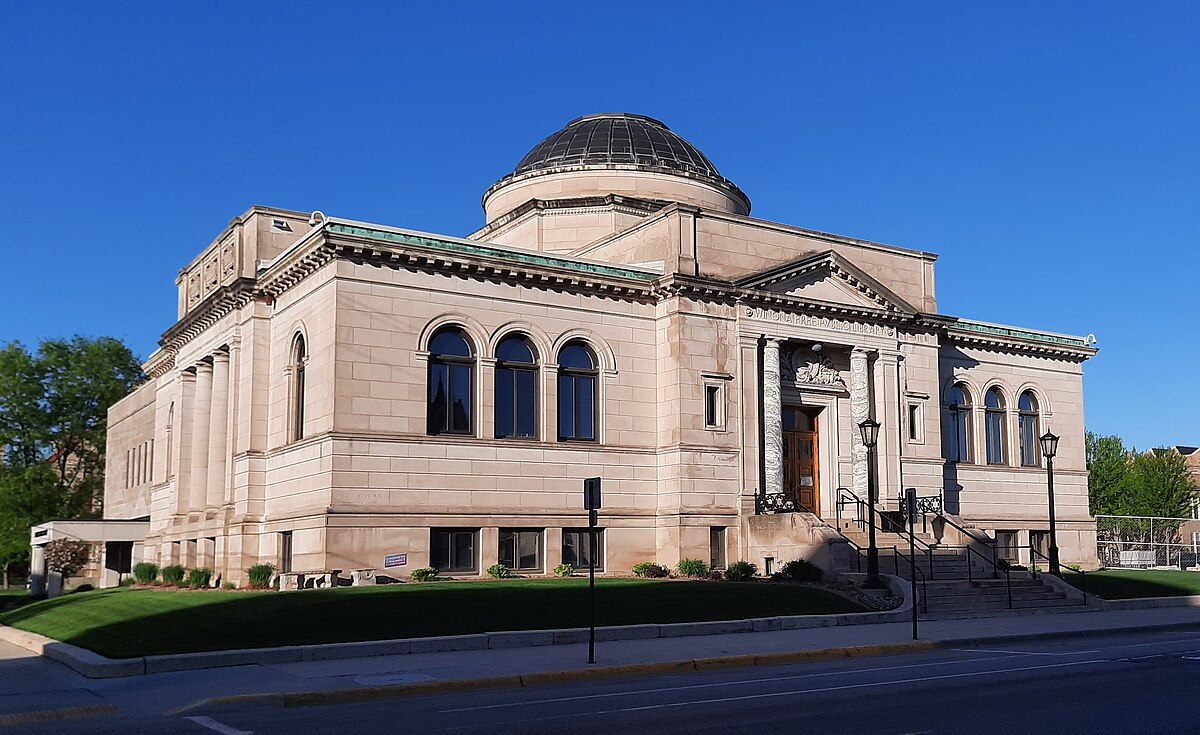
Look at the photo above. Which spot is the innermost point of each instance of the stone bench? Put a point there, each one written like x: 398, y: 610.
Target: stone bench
x: 308, y: 580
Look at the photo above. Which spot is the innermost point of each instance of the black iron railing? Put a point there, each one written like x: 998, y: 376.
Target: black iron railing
x: 1033, y: 570
x: 784, y: 502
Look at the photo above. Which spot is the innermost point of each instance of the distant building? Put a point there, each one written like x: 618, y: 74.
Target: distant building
x: 333, y: 392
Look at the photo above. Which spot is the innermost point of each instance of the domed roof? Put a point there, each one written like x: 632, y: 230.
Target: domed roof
x: 619, y: 140
x: 617, y: 137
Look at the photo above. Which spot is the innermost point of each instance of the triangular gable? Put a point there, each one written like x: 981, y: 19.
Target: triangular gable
x: 827, y: 276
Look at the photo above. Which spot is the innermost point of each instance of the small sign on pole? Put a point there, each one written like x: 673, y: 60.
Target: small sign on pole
x: 591, y: 493
x: 591, y: 503
x: 910, y: 507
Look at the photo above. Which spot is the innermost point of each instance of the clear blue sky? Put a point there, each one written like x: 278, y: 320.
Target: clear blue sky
x: 1047, y: 150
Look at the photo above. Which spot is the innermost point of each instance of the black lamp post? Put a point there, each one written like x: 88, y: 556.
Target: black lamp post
x: 870, y: 436
x: 1049, y: 449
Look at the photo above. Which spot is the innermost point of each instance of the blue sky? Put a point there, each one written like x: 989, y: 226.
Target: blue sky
x: 1047, y: 150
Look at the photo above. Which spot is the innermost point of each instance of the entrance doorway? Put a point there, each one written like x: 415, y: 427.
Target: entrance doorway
x: 801, y: 471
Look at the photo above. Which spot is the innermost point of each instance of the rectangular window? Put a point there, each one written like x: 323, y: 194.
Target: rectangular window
x: 1006, y: 545
x: 716, y: 547
x: 521, y: 549
x: 994, y: 433
x: 454, y: 549
x: 1027, y: 429
x: 1040, y: 541
x: 576, y: 550
x: 714, y: 407
x: 916, y: 433
x: 285, y: 552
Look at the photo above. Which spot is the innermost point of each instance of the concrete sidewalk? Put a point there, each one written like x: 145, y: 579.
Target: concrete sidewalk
x: 30, y: 683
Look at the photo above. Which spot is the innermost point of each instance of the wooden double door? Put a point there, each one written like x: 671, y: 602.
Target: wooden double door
x: 801, y: 468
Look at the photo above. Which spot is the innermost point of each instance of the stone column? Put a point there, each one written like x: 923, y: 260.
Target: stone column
x: 860, y: 410
x: 772, y: 418
x: 183, y: 456
x: 201, y: 407
x: 218, y: 432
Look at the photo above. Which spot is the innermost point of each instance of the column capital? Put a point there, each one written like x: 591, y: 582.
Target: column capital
x: 204, y: 367
x: 220, y: 356
x: 772, y: 340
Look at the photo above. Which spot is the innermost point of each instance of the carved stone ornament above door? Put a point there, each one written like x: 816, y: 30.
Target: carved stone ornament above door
x: 812, y: 369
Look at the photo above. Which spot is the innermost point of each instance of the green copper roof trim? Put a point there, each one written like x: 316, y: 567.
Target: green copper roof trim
x: 493, y: 252
x: 1019, y: 333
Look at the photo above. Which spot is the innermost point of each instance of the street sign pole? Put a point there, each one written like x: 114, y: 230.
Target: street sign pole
x: 910, y: 505
x: 591, y: 503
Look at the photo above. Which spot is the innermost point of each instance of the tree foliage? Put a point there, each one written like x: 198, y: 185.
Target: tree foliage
x: 67, y: 556
x: 53, y: 425
x: 1127, y: 482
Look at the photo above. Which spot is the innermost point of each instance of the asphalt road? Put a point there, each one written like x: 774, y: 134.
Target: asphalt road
x: 1142, y: 683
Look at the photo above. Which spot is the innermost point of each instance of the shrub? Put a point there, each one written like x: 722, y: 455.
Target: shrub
x: 802, y: 570
x: 564, y: 570
x: 716, y: 575
x: 499, y: 571
x: 67, y: 556
x: 126, y: 582
x: 83, y: 588
x: 740, y: 571
x: 229, y: 586
x: 692, y: 568
x: 424, y: 574
x: 199, y: 577
x: 145, y: 572
x: 172, y: 574
x: 260, y: 575
x: 650, y: 569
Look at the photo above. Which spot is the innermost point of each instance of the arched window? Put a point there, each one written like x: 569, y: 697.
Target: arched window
x: 451, y: 377
x: 516, y: 389
x: 1027, y: 429
x: 576, y: 393
x: 958, y: 430
x: 993, y: 425
x: 296, y: 389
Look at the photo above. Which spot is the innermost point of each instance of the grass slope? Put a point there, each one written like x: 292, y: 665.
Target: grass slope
x: 123, y: 623
x: 1113, y: 584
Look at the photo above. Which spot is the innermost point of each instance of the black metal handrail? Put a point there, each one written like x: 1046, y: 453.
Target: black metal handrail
x: 785, y: 502
x: 1034, y: 572
x: 847, y: 496
x: 990, y: 543
x: 896, y: 553
x: 996, y: 568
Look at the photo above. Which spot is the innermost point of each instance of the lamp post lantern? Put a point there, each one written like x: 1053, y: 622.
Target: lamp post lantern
x: 870, y: 436
x: 1049, y: 449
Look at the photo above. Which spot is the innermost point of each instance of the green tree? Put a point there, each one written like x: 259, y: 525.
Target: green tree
x: 1108, y: 470
x: 53, y: 429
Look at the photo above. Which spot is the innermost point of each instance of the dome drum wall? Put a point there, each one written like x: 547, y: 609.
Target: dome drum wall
x: 615, y: 153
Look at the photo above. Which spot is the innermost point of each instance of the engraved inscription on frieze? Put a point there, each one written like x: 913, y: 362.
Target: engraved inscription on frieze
x: 819, y: 322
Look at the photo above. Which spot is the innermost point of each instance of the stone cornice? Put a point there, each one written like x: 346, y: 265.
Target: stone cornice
x: 159, y: 363
x: 1012, y: 340
x: 617, y: 202
x: 224, y: 300
x: 398, y: 249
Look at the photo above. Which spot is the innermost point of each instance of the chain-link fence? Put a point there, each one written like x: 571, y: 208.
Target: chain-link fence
x: 1141, y: 542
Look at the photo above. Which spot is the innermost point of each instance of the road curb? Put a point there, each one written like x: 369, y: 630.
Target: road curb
x: 53, y: 715
x: 395, y: 691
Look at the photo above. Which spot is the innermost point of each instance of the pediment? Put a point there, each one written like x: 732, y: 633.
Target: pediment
x: 829, y: 277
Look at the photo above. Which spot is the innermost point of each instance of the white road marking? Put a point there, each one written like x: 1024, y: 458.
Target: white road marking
x: 791, y: 693
x: 1024, y: 653
x: 660, y: 690
x: 222, y: 728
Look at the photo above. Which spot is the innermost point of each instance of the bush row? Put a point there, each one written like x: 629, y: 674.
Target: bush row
x: 174, y: 575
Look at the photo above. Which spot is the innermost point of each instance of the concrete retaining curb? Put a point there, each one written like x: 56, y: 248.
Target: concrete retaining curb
x: 94, y: 666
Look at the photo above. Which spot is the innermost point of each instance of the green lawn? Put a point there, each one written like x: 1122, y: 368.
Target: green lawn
x: 122, y: 623
x: 1124, y: 584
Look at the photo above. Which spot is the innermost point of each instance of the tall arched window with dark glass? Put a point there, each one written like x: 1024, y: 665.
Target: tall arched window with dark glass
x: 958, y: 430
x: 451, y: 377
x: 993, y: 408
x: 1027, y: 429
x: 576, y: 393
x: 516, y: 389
x: 296, y: 389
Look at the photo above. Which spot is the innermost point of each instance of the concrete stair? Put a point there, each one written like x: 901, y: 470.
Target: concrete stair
x: 954, y: 589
